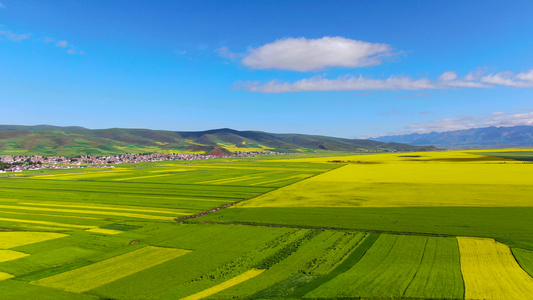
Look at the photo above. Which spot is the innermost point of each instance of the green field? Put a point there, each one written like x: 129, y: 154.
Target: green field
x: 382, y: 226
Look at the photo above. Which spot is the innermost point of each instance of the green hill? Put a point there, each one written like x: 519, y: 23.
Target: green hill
x: 73, y: 140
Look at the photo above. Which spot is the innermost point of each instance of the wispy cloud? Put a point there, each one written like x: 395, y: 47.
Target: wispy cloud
x: 226, y: 53
x: 416, y: 95
x: 2, y: 5
x: 62, y: 44
x: 73, y: 51
x: 16, y: 37
x: 344, y: 83
x: 390, y: 112
x: 447, y: 80
x: 521, y: 80
x: 497, y: 119
x: 70, y: 48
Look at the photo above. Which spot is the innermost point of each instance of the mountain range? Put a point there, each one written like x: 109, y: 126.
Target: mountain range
x: 73, y: 140
x: 487, y: 137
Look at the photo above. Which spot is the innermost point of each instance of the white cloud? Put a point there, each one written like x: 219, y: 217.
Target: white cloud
x: 526, y: 76
x: 450, y: 79
x: 15, y: 36
x: 62, y: 44
x: 2, y: 5
x: 447, y: 80
x: 468, y: 122
x: 521, y: 80
x: 343, y: 83
x: 448, y: 76
x: 301, y: 54
x: 497, y: 119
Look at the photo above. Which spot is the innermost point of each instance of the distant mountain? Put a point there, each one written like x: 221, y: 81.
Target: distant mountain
x: 53, y: 140
x: 488, y: 137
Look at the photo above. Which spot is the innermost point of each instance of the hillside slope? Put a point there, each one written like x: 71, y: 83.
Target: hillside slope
x: 53, y: 140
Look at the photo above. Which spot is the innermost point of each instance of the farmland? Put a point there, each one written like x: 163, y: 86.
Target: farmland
x: 443, y: 225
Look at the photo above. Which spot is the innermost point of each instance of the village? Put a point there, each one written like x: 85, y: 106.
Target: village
x: 19, y: 163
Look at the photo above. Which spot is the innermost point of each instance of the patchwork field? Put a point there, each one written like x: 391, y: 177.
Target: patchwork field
x: 444, y: 225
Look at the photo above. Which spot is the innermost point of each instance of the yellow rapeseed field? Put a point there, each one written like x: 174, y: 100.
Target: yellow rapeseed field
x: 174, y: 170
x: 96, y: 212
x: 75, y: 176
x: 14, y: 239
x: 104, y: 231
x: 228, y: 180
x: 225, y: 285
x: 4, y: 276
x: 433, y: 179
x: 7, y: 255
x: 104, y: 207
x: 234, y: 148
x: 141, y: 177
x: 55, y: 224
x: 282, y: 179
x: 92, y: 276
x: 490, y: 271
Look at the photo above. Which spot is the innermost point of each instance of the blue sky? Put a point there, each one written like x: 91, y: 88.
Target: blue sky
x: 338, y: 68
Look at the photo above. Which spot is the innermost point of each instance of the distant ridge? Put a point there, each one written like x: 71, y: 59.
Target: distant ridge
x: 74, y: 140
x: 487, y: 137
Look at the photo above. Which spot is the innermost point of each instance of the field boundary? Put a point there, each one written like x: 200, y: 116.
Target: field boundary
x: 324, y: 228
x: 201, y: 214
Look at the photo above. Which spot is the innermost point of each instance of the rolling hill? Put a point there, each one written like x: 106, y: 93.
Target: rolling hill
x: 73, y: 140
x: 487, y: 137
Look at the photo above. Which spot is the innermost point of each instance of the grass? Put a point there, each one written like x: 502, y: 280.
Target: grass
x: 17, y: 290
x: 510, y: 225
x: 346, y: 264
x: 525, y: 259
x: 395, y: 267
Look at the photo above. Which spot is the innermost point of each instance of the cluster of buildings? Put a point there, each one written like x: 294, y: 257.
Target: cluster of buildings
x: 18, y: 163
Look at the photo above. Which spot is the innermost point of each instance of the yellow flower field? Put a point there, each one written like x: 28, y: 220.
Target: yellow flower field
x: 92, y: 276
x: 228, y: 180
x: 7, y: 255
x: 97, y: 212
x: 434, y: 179
x: 104, y: 231
x: 55, y: 224
x: 4, y: 276
x: 14, y: 238
x: 141, y: 177
x: 490, y: 271
x: 225, y: 285
x: 168, y: 211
